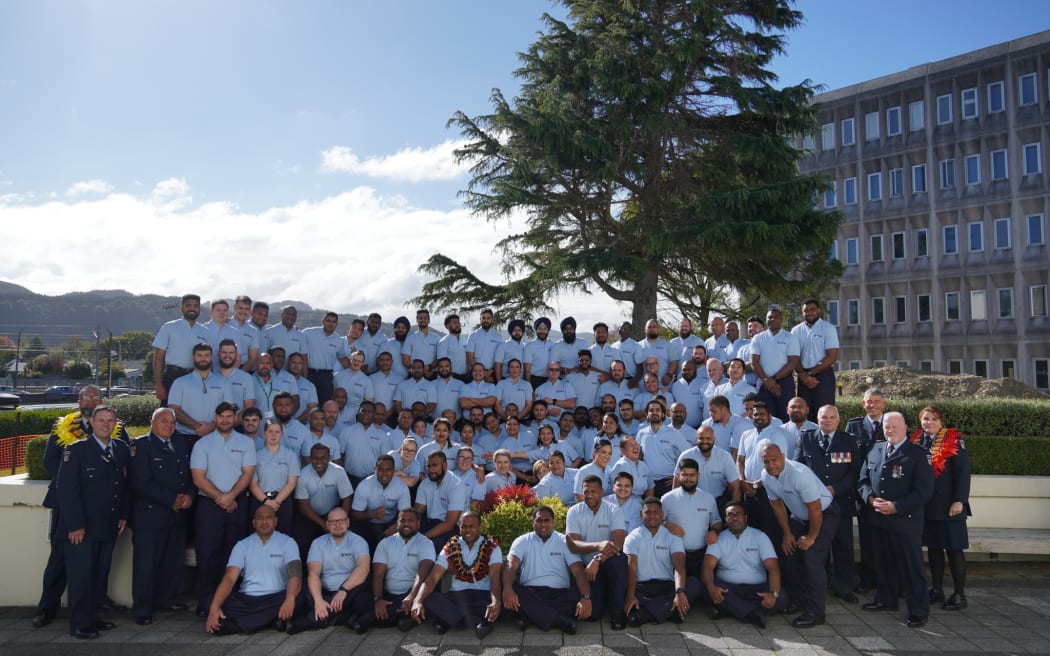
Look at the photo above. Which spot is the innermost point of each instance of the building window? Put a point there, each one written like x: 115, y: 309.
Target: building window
x: 902, y: 363
x: 1035, y: 229
x: 827, y: 136
x: 922, y: 242
x: 1037, y: 300
x: 1033, y: 158
x: 916, y: 116
x: 893, y: 121
x: 969, y: 103
x: 900, y: 309
x: 975, y: 231
x: 1008, y: 368
x: 897, y: 244
x: 926, y: 365
x: 1028, y: 89
x: 978, y: 305
x: 918, y: 178
x: 853, y: 311
x: 924, y: 308
x: 896, y: 183
x: 973, y: 169
x: 852, y: 255
x: 848, y: 136
x: 878, y: 310
x: 1042, y: 373
x: 999, y: 164
x: 829, y: 195
x: 833, y: 313
x: 951, y: 306
x: 849, y: 191
x: 1002, y: 233
x: 876, y: 248
x: 996, y: 97
x: 833, y: 252
x: 951, y: 240
x: 944, y: 109
x: 1006, y: 303
x: 980, y: 368
x: 809, y: 142
x: 947, y: 173
x: 874, y: 186
x: 871, y: 126
x: 878, y: 364
x: 854, y: 365
x: 954, y: 366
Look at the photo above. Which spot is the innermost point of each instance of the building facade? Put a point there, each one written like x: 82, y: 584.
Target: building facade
x: 940, y: 172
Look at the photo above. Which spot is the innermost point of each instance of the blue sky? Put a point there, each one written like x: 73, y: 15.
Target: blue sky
x: 310, y: 137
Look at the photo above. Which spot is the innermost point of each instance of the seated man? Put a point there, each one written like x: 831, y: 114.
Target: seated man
x: 543, y: 595
x: 401, y: 563
x: 377, y: 501
x: 475, y: 562
x: 741, y: 574
x: 595, y: 530
x: 440, y: 500
x: 321, y: 487
x: 273, y: 578
x: 337, y: 568
x: 657, y: 587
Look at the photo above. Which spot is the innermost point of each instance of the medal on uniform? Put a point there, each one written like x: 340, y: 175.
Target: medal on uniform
x: 898, y: 471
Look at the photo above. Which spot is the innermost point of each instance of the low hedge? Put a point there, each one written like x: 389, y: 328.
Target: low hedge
x: 1009, y: 456
x: 132, y: 410
x: 1013, y: 417
x: 35, y: 459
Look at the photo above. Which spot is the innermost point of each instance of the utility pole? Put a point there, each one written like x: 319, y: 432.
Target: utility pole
x: 98, y: 349
x: 18, y: 359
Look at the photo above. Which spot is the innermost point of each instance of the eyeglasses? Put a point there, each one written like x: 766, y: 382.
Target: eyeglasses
x: 344, y: 520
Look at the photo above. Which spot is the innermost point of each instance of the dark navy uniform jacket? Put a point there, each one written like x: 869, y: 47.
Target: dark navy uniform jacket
x: 838, y: 466
x: 859, y: 429
x: 906, y: 479
x: 93, y: 491
x: 952, y: 485
x: 157, y: 475
x: 53, y: 459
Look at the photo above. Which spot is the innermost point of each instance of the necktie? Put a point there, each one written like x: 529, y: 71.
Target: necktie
x: 168, y: 445
x: 825, y: 441
x: 107, y: 454
x: 889, y: 451
x: 875, y: 427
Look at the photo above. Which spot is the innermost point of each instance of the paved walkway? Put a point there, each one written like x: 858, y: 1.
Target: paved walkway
x: 1009, y: 614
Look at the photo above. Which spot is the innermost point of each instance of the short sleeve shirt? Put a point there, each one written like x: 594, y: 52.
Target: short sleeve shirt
x: 223, y: 460
x: 796, y: 486
x: 544, y: 564
x: 324, y: 492
x: 450, y: 495
x: 695, y: 513
x: 740, y: 560
x: 370, y: 494
x: 338, y: 560
x: 264, y: 565
x: 593, y: 526
x: 653, y: 552
x: 272, y: 470
x: 402, y: 560
x: 470, y: 555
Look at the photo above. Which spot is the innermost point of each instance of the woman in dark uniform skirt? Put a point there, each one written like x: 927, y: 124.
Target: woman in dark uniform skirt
x: 947, y: 510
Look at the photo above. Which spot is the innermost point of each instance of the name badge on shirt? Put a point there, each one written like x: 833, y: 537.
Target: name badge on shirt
x: 898, y: 471
x: 660, y: 548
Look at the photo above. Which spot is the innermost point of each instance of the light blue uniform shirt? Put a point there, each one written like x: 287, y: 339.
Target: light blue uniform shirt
x: 273, y: 469
x: 735, y: 349
x: 621, y: 391
x: 638, y: 470
x: 335, y: 451
x: 695, y: 513
x: 558, y: 486
x: 740, y: 560
x: 735, y: 394
x: 815, y: 341
x: 248, y: 338
x: 384, y: 387
x: 475, y: 390
x: 796, y: 486
x: 178, y: 338
x: 544, y: 452
x: 592, y: 469
x: 558, y: 391
x: 631, y: 428
x: 662, y: 448
x: 446, y: 395
x: 602, y: 356
x: 359, y: 386
x: 370, y: 345
x: 290, y: 339
x: 411, y: 391
x: 716, y: 472
x: 565, y: 354
x: 264, y: 566
x: 338, y: 560
x: 718, y: 347
x: 370, y: 494
x: 402, y: 560
x: 751, y: 444
x: 266, y: 390
x: 537, y: 356
x: 451, y: 450
x: 630, y: 354
x: 593, y: 526
x: 631, y: 509
x: 449, y: 495
x: 239, y: 387
x: 470, y: 555
x: 421, y: 347
x: 322, y: 350
x: 773, y: 350
x: 691, y: 393
x: 661, y: 349
x: 495, y: 482
x: 294, y: 436
x: 306, y: 390
x: 682, y: 349
x: 217, y: 334
x: 469, y: 479
x: 585, y: 388
x: 543, y: 564
x: 483, y: 344
x: 324, y: 492
x: 519, y: 393
x: 198, y: 397
x: 223, y: 460
x: 510, y: 350
x: 454, y: 347
x: 794, y: 433
x: 395, y: 349
x: 728, y: 437
x: 361, y: 447
x: 653, y: 552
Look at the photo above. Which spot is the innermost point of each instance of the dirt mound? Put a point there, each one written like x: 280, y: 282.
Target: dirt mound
x: 905, y: 383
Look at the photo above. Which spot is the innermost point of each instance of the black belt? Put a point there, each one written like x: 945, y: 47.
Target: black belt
x: 182, y: 371
x: 321, y: 370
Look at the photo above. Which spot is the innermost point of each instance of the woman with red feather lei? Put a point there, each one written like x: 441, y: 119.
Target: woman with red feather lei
x: 946, y: 511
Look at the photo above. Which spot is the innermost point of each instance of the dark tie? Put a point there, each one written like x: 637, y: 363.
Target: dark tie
x: 825, y: 442
x: 169, y: 446
x: 875, y: 427
x: 107, y: 454
x: 889, y: 451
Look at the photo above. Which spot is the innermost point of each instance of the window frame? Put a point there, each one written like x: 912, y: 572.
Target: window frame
x: 996, y: 243
x: 954, y: 229
x: 918, y: 175
x: 912, y: 127
x: 1025, y: 149
x: 849, y: 138
x: 944, y: 110
x: 975, y: 160
x: 1021, y: 102
x: 1041, y: 369
x: 896, y: 177
x: 978, y: 305
x: 1037, y: 295
x: 949, y: 315
x: 871, y: 126
x: 969, y: 107
x: 846, y: 185
x: 947, y: 173
x: 877, y: 254
x: 894, y: 111
x: 852, y: 311
x: 920, y: 315
x: 827, y: 133
x: 1004, y: 310
x: 831, y: 192
x: 1037, y: 222
x: 852, y: 244
x: 874, y: 191
x: 999, y: 89
x: 900, y: 309
x: 832, y: 310
x: 975, y: 228
x: 922, y: 242
x: 999, y: 157
x: 978, y: 365
x: 954, y: 366
x: 901, y: 238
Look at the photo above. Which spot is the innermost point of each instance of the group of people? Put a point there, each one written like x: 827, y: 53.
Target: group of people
x: 684, y: 488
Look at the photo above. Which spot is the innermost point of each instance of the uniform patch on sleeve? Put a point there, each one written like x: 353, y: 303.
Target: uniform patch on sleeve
x: 65, y: 456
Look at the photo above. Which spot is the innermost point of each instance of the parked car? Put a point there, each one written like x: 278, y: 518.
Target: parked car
x: 9, y: 401
x: 60, y: 394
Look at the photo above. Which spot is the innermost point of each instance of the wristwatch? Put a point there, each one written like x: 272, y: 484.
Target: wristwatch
x: 586, y: 596
x: 679, y: 591
x: 342, y: 589
x: 776, y: 594
x: 376, y: 597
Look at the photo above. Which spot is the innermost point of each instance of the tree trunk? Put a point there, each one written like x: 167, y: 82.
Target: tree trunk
x: 644, y: 303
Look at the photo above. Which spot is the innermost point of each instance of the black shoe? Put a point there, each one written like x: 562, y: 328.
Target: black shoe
x: 175, y: 608
x: 521, y: 622
x: 716, y: 613
x: 862, y: 589
x: 84, y: 634
x: 915, y: 622
x: 299, y: 624
x: 405, y: 624
x: 43, y: 618
x: 228, y: 627
x: 955, y: 602
x: 103, y: 625
x: 807, y: 620
x: 618, y: 622
x: 936, y: 595
x: 634, y: 619
x: 758, y: 618
x: 483, y: 629
x: 144, y: 621
x: 876, y: 606
x: 109, y: 605
x: 440, y: 627
x: 847, y: 597
x: 360, y: 624
x: 566, y: 624
x: 280, y: 625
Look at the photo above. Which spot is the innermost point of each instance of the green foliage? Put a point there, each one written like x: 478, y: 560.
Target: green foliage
x: 132, y: 345
x: 33, y: 349
x: 48, y: 364
x: 77, y: 370
x: 1009, y: 456
x: 990, y: 416
x: 135, y: 410
x: 649, y: 149
x: 29, y: 422
x: 147, y: 368
x: 512, y: 518
x: 35, y: 459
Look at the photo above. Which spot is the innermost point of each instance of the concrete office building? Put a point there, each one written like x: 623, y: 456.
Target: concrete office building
x: 940, y: 172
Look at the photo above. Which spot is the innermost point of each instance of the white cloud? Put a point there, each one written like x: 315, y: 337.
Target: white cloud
x: 89, y: 187
x: 409, y: 164
x: 172, y: 194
